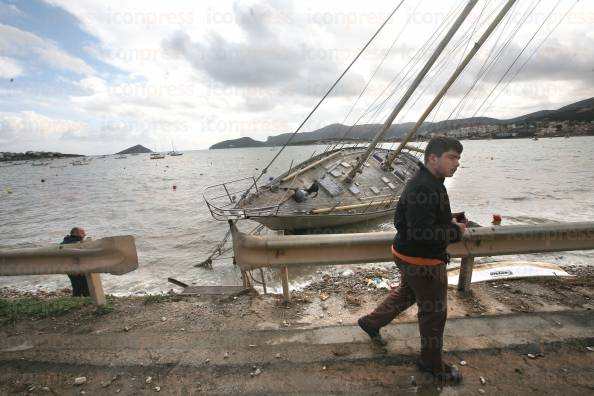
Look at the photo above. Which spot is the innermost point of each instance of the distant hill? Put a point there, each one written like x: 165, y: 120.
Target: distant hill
x: 579, y: 111
x: 138, y: 149
x: 238, y: 143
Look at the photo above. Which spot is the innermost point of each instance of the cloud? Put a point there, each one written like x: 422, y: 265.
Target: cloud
x: 10, y: 10
x: 271, y: 52
x: 22, y: 44
x: 29, y: 126
x: 9, y: 68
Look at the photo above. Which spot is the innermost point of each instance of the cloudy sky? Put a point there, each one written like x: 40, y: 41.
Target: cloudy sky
x: 95, y: 77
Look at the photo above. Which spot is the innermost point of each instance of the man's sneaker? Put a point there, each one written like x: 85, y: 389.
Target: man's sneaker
x: 450, y: 373
x: 373, y: 333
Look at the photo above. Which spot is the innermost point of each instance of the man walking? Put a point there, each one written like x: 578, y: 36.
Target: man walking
x: 425, y: 227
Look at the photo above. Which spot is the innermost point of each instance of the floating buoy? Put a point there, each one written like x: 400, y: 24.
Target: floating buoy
x: 496, y: 219
x: 174, y: 187
x: 43, y: 180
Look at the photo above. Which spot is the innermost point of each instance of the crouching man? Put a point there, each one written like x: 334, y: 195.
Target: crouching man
x: 80, y: 287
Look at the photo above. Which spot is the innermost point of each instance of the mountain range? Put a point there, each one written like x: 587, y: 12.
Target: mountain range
x: 582, y: 111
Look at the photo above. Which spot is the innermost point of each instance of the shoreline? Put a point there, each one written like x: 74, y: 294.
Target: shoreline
x: 256, y: 344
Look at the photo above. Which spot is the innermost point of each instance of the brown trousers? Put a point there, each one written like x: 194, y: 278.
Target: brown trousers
x: 427, y: 286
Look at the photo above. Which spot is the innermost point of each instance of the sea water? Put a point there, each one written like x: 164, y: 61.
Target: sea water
x: 525, y: 181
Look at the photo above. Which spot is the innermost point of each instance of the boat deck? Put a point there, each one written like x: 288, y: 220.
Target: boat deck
x: 372, y: 186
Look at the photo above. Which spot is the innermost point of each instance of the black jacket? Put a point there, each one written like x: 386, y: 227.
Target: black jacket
x: 71, y: 239
x: 423, y: 218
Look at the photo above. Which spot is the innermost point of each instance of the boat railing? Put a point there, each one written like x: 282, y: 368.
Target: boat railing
x: 222, y: 200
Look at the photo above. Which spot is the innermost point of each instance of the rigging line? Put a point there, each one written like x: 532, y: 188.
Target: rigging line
x: 462, y: 103
x: 406, y: 78
x: 413, y: 62
x: 475, y: 26
x: 265, y: 169
x: 415, y: 59
x: 410, y: 66
x: 373, y: 76
x: 380, y: 65
x: 534, y: 51
x: 507, y: 43
x: 516, y: 59
x: 444, y: 62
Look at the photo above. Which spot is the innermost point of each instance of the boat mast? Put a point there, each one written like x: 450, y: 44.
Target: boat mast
x: 444, y: 42
x: 390, y: 158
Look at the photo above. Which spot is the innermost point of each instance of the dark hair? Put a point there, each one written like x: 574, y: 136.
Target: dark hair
x: 440, y: 144
x: 74, y: 230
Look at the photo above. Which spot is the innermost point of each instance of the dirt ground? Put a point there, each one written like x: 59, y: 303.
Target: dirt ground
x: 257, y: 344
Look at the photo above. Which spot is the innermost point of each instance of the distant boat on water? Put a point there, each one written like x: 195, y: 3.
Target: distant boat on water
x: 80, y: 162
x: 174, y: 153
x: 121, y: 156
x: 157, y: 156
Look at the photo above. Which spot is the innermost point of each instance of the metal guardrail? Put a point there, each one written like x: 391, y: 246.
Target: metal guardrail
x: 282, y: 252
x: 115, y: 255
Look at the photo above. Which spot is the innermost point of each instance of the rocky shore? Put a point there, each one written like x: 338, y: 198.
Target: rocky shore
x: 521, y: 336
x: 33, y: 155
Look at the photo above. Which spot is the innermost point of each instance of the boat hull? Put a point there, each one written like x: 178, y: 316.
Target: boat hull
x: 317, y: 224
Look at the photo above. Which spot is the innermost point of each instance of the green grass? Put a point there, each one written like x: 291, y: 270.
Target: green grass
x: 103, y: 309
x: 12, y: 310
x: 157, y: 298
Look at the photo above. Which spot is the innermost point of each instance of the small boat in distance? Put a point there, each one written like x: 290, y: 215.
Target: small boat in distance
x: 79, y: 162
x: 120, y: 156
x: 157, y: 156
x: 174, y: 153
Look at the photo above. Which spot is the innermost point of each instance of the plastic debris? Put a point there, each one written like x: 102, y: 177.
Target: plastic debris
x: 80, y: 380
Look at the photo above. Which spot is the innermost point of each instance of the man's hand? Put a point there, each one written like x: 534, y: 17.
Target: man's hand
x: 461, y: 226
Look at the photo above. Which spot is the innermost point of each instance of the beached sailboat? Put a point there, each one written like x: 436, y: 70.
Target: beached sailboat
x: 345, y: 184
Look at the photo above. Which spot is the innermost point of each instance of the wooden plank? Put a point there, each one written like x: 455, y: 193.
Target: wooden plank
x: 215, y: 290
x: 96, y: 289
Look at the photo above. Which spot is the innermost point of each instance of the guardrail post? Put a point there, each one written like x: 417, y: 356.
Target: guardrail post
x: 96, y: 288
x: 285, y: 282
x: 465, y: 276
x: 245, y: 279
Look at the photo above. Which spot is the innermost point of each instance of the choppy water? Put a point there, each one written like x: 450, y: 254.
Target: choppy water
x: 527, y: 182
